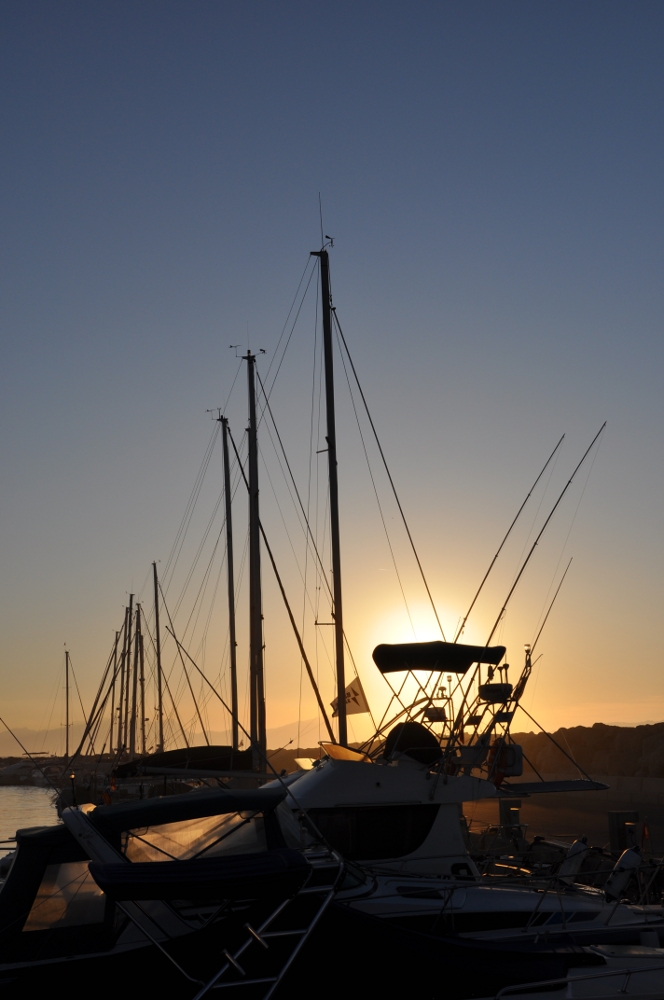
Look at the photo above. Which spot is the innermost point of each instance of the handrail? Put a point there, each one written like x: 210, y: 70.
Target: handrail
x: 628, y: 973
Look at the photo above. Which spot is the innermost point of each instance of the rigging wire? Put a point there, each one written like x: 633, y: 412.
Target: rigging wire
x: 307, y: 596
x: 268, y: 408
x: 312, y: 264
x: 176, y: 549
x: 323, y: 574
x: 230, y: 391
x: 200, y: 596
x: 80, y: 700
x: 53, y: 702
x: 199, y: 552
x: 290, y: 615
x: 184, y: 667
x: 307, y: 529
x: 555, y: 743
x: 167, y: 721
x: 380, y: 508
x: 389, y: 474
x: 96, y: 712
x: 203, y: 584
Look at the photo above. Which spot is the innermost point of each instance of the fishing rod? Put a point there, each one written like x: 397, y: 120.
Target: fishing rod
x: 528, y: 668
x: 462, y: 626
x: 562, y: 580
x: 542, y: 530
x: 459, y: 719
x: 500, y: 547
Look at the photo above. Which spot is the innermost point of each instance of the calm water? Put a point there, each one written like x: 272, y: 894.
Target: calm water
x: 25, y: 807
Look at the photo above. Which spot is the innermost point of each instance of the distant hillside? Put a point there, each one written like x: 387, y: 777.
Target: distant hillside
x: 619, y: 751
x: 630, y: 752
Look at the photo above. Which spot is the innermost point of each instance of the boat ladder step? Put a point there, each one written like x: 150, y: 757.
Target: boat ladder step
x: 246, y: 964
x: 246, y: 982
x: 276, y: 934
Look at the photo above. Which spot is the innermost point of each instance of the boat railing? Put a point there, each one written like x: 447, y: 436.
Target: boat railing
x: 241, y: 974
x: 605, y: 974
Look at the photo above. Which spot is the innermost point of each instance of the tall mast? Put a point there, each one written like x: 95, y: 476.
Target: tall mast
x: 115, y: 670
x: 123, y: 663
x: 66, y: 704
x: 257, y: 689
x: 130, y: 622
x: 160, y: 704
x: 337, y: 612
x: 134, y: 685
x: 231, y: 583
x: 142, y: 682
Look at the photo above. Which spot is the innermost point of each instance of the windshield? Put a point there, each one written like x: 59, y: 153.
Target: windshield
x: 210, y: 836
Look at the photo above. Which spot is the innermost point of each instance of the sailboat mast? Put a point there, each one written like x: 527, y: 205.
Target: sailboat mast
x: 337, y: 611
x: 123, y: 663
x: 160, y: 703
x: 115, y: 671
x: 66, y: 704
x: 142, y: 682
x: 231, y: 584
x: 257, y: 689
x: 130, y: 622
x: 134, y: 686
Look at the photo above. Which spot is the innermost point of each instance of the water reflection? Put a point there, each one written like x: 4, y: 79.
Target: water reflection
x: 25, y: 806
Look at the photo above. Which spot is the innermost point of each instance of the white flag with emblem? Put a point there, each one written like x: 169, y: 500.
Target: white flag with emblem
x: 356, y: 701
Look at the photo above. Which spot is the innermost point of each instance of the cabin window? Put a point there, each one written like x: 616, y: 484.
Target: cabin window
x: 67, y: 896
x: 231, y: 833
x: 375, y: 832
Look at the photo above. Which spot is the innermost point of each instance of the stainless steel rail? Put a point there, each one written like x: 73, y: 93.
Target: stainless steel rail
x: 627, y: 973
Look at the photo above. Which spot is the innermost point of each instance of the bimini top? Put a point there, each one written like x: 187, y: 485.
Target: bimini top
x: 451, y: 657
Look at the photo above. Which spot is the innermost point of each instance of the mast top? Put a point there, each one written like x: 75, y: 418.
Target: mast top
x: 319, y: 253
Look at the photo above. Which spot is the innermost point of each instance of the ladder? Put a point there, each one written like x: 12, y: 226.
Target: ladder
x: 269, y: 950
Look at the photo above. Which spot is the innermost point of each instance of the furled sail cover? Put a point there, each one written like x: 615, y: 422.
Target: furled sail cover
x: 448, y: 657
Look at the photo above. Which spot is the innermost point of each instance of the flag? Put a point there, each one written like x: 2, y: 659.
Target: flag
x: 356, y: 701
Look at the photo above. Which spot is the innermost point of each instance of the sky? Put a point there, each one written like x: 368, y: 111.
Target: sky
x: 491, y: 173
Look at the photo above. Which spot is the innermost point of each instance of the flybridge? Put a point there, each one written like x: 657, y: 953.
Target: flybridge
x: 451, y: 657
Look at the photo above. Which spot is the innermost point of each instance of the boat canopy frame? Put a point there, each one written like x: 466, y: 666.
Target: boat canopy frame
x: 445, y: 657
